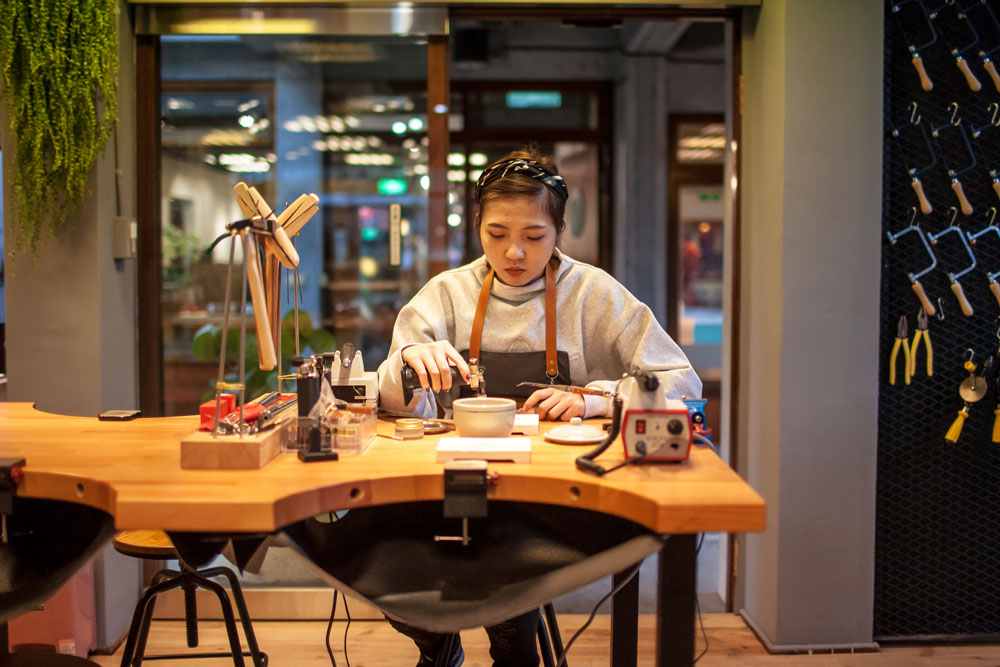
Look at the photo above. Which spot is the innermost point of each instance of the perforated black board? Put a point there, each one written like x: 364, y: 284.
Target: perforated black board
x: 937, y: 559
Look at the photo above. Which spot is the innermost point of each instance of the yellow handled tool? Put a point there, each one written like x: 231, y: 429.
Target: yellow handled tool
x: 972, y: 389
x: 901, y: 341
x: 924, y: 333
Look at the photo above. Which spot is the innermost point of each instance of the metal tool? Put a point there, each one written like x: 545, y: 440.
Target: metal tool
x: 972, y: 390
x: 922, y: 332
x: 958, y: 50
x: 956, y: 287
x: 477, y: 379
x: 953, y: 173
x: 573, y: 389
x: 915, y: 172
x: 977, y: 134
x: 915, y: 277
x: 911, y: 44
x: 901, y: 342
x: 983, y: 8
x: 991, y: 277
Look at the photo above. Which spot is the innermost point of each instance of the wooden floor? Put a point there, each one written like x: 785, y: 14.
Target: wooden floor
x: 374, y: 643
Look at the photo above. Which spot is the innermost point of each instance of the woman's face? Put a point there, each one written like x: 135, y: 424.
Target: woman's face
x: 518, y: 238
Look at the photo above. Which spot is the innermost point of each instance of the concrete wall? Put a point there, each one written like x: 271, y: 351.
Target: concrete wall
x: 811, y: 205
x: 71, y: 332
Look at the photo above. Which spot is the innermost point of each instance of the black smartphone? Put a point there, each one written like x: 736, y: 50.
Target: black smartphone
x: 119, y: 415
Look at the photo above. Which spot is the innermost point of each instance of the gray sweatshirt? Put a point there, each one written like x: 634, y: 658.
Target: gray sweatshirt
x: 604, y: 329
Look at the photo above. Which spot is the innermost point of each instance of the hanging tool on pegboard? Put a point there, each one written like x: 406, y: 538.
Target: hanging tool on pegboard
x: 981, y: 142
x: 918, y: 41
x: 953, y: 277
x: 915, y: 276
x: 928, y: 162
x: 923, y: 332
x: 960, y: 35
x: 972, y: 390
x: 991, y: 276
x: 955, y: 169
x: 901, y: 342
x: 986, y: 17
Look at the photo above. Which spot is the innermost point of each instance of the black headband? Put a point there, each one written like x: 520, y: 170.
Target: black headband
x: 530, y: 168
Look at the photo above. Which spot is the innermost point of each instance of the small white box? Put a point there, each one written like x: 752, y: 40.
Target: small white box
x: 526, y: 423
x: 517, y: 450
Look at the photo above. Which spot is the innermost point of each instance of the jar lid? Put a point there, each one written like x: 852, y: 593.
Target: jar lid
x: 575, y: 433
x: 409, y: 428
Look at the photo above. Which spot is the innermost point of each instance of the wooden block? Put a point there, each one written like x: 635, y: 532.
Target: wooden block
x: 200, y: 451
x: 516, y: 449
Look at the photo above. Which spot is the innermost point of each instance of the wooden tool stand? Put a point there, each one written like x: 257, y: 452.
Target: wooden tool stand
x: 267, y: 241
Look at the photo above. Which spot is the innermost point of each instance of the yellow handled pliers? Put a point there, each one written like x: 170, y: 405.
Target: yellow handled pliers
x: 922, y: 331
x: 901, y: 341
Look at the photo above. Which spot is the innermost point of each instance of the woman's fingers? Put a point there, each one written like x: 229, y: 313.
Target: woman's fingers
x: 554, y: 404
x: 432, y: 363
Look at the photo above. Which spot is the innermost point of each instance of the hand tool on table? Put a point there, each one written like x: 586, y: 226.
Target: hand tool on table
x: 991, y: 277
x: 977, y: 135
x: 955, y: 124
x: 914, y: 172
x: 571, y: 388
x: 902, y: 341
x: 922, y: 332
x: 972, y: 389
x: 914, y: 228
x: 477, y: 379
x: 953, y: 32
x: 956, y: 287
x: 915, y: 44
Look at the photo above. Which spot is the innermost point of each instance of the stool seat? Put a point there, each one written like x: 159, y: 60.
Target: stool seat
x: 151, y: 544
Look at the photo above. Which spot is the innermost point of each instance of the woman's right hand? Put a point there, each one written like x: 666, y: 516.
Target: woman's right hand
x: 432, y: 363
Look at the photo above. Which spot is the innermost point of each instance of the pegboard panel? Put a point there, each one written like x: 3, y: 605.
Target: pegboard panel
x: 937, y: 553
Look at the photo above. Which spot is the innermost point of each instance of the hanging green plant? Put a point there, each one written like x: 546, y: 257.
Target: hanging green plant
x: 59, y: 64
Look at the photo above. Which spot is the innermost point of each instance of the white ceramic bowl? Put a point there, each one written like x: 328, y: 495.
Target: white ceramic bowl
x: 485, y: 417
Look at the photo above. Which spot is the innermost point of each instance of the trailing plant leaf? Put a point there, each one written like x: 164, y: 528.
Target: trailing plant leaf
x: 59, y: 67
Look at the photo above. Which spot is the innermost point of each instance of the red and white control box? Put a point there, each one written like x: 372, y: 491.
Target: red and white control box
x: 662, y: 434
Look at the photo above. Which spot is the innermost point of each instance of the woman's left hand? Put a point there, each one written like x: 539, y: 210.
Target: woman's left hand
x: 555, y: 404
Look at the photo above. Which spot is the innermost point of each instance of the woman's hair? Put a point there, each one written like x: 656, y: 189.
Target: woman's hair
x: 525, y: 172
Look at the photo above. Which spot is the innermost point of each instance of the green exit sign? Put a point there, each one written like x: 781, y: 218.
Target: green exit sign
x: 391, y: 186
x: 710, y: 196
x: 534, y: 99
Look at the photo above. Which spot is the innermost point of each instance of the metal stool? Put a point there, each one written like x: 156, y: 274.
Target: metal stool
x: 154, y: 544
x: 550, y: 646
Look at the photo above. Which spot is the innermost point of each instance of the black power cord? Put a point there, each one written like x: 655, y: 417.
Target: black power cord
x: 612, y: 592
x: 329, y: 626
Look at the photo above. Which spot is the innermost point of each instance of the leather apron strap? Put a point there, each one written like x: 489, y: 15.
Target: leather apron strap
x: 551, y: 358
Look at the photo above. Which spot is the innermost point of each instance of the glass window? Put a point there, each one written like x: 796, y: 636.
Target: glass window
x: 291, y: 115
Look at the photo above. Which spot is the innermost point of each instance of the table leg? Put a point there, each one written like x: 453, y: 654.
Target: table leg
x: 675, y: 603
x: 625, y: 621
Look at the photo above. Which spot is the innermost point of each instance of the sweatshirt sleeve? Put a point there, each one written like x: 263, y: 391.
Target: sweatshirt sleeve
x: 410, y: 328
x: 642, y: 345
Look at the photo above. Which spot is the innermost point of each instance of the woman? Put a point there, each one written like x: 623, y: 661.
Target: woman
x: 525, y: 312
x: 601, y: 331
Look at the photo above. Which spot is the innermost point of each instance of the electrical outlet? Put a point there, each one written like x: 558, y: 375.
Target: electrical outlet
x: 124, y: 236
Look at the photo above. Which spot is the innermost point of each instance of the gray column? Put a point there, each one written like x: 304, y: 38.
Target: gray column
x: 808, y: 351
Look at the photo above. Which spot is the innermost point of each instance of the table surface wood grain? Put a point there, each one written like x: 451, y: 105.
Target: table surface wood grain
x: 132, y: 471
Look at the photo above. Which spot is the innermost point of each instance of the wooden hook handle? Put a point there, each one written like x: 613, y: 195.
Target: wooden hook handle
x: 963, y: 201
x: 970, y: 78
x: 995, y: 288
x: 924, y: 301
x: 996, y: 188
x: 918, y: 187
x: 991, y: 69
x: 962, y: 301
x: 925, y: 81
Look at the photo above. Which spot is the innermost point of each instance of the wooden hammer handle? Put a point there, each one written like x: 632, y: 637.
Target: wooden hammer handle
x: 970, y: 78
x: 956, y: 186
x: 267, y: 359
x: 925, y: 81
